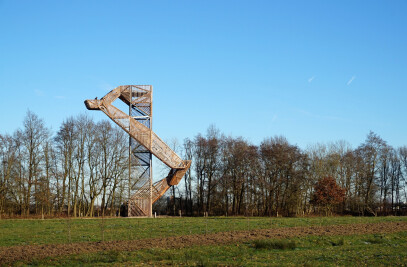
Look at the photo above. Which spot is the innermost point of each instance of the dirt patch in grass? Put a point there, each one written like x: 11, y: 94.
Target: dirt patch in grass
x: 13, y: 254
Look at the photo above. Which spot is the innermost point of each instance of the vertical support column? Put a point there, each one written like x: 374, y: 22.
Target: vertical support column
x: 151, y: 155
x: 140, y: 110
x: 129, y: 202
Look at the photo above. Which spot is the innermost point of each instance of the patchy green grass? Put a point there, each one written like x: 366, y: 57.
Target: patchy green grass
x: 28, y: 232
x: 351, y: 250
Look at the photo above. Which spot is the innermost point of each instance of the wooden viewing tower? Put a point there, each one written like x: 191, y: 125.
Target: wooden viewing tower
x: 143, y: 143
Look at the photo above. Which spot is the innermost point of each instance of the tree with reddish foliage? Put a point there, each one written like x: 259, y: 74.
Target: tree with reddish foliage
x: 327, y: 194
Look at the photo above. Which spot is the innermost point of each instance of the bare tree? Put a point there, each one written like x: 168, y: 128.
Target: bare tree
x: 33, y: 136
x: 119, y: 165
x: 93, y: 165
x: 188, y: 154
x: 370, y: 153
x: 81, y: 129
x: 403, y: 159
x: 66, y: 142
x: 285, y: 167
x: 212, y: 163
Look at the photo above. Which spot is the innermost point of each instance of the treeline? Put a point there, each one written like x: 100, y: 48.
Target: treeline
x: 82, y: 170
x: 79, y: 168
x: 232, y: 176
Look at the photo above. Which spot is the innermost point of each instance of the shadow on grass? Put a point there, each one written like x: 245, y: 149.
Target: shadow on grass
x: 274, y: 244
x: 340, y: 242
x: 377, y: 239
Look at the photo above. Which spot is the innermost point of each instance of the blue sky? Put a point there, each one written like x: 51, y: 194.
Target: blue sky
x: 312, y: 71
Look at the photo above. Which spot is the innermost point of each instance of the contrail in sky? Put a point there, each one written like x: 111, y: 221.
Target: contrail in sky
x: 351, y: 80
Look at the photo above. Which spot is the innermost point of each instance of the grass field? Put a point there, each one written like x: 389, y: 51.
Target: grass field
x: 353, y: 249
